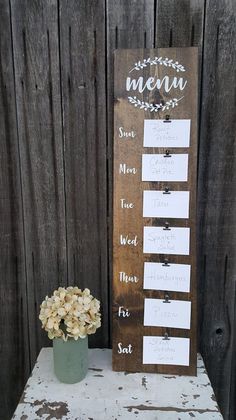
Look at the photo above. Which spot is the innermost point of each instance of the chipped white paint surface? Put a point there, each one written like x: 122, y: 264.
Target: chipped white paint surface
x: 105, y: 394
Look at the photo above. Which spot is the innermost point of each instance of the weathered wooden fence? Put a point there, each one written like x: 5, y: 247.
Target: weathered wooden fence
x: 56, y: 123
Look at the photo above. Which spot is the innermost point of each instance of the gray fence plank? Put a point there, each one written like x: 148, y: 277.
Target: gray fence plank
x: 180, y: 23
x: 36, y: 60
x: 14, y: 349
x: 130, y: 24
x: 84, y: 115
x: 217, y: 201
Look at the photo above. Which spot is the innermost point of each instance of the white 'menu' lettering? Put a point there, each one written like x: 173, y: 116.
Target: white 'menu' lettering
x: 133, y: 84
x: 153, y: 83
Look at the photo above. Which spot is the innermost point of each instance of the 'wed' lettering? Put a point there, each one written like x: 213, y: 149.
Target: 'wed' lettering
x: 126, y: 240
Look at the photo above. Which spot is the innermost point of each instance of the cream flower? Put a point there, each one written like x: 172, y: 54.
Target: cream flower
x: 70, y: 312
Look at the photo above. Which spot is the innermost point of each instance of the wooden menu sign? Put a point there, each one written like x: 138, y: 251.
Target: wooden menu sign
x: 154, y: 232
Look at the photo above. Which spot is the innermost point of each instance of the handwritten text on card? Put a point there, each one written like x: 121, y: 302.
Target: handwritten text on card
x: 166, y: 352
x: 158, y: 276
x: 172, y: 314
x: 157, y: 240
x: 160, y: 168
x: 159, y: 133
x: 172, y: 205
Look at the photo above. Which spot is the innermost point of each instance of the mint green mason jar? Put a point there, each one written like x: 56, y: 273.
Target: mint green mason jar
x: 70, y: 359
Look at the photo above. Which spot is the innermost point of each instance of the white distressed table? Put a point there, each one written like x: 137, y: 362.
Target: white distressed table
x: 106, y: 395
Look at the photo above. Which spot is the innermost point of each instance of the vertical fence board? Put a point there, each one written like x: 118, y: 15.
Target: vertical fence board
x: 130, y: 24
x: 36, y: 60
x: 217, y: 201
x: 82, y: 42
x: 14, y: 352
x: 180, y: 23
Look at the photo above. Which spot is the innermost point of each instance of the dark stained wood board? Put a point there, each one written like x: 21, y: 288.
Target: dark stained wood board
x: 131, y: 222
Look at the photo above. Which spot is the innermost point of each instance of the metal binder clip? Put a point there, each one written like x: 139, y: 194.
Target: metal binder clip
x: 167, y: 120
x: 166, y: 190
x: 166, y: 336
x: 166, y: 263
x: 167, y: 298
x: 167, y: 226
x: 167, y: 154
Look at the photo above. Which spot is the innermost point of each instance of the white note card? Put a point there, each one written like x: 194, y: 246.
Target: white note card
x: 166, y: 352
x: 175, y: 277
x: 174, y: 204
x: 157, y: 167
x: 157, y: 240
x: 171, y: 314
x: 158, y: 133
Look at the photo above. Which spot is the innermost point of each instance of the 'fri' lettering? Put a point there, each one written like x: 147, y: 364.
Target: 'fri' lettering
x: 123, y: 312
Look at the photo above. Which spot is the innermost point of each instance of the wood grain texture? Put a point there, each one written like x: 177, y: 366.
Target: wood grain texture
x: 130, y: 24
x: 180, y: 23
x: 217, y: 202
x: 130, y: 222
x: 84, y: 122
x: 152, y: 397
x: 14, y: 351
x: 38, y: 100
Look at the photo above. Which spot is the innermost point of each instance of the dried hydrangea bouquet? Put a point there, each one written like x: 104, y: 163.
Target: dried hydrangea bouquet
x: 69, y: 316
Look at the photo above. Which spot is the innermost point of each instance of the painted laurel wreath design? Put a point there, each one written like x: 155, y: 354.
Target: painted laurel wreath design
x: 153, y: 107
x: 156, y: 61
